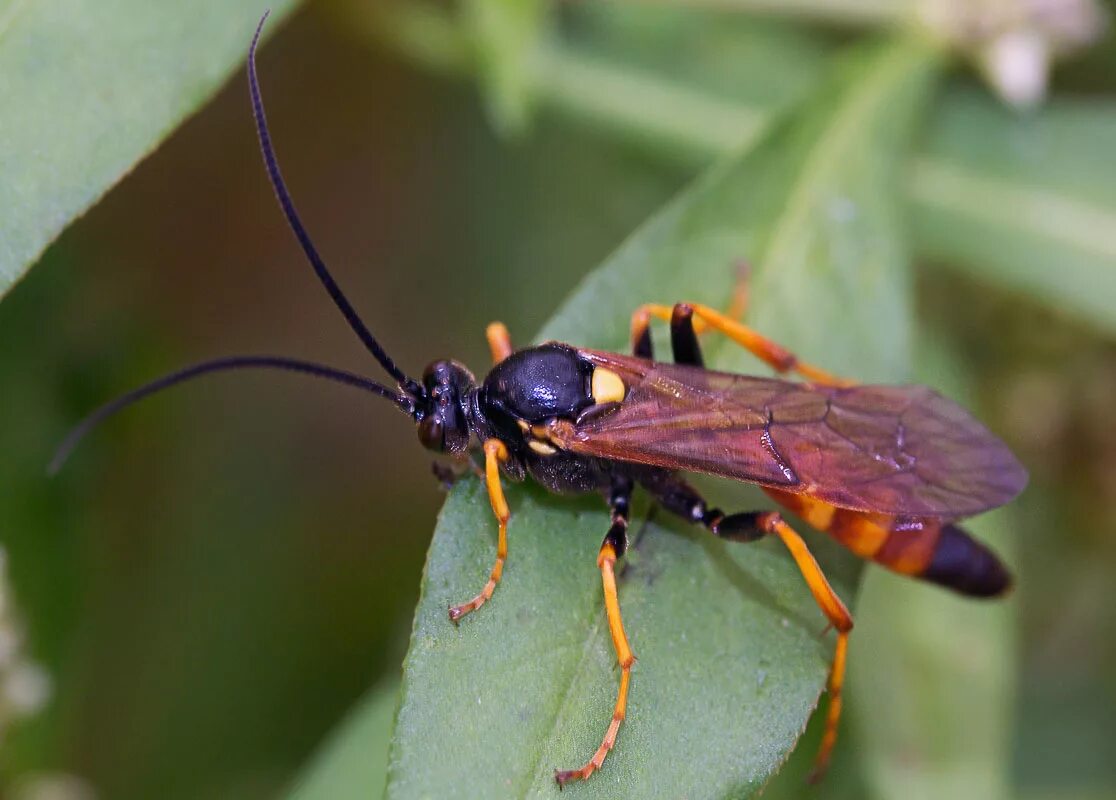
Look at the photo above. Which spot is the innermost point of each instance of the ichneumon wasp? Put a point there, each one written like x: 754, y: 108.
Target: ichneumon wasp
x: 885, y: 470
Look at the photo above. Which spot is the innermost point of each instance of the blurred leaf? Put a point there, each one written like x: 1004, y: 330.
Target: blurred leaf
x: 757, y: 62
x: 1025, y: 201
x: 848, y: 12
x: 88, y: 88
x: 731, y: 663
x: 505, y: 35
x: 932, y: 681
x: 353, y: 761
x: 1071, y: 793
x: 634, y: 70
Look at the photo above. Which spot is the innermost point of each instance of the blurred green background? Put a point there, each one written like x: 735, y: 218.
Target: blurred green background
x: 218, y: 575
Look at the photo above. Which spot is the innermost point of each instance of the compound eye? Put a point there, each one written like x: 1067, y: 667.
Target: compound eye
x: 431, y: 433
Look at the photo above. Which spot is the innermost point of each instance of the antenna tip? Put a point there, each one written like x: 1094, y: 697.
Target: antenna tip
x: 259, y: 27
x: 64, y: 451
x: 56, y: 464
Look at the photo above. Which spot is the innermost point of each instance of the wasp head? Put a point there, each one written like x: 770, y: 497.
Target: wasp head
x: 441, y: 415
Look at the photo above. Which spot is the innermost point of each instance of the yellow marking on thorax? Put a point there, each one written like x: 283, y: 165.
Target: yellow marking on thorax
x: 607, y: 387
x: 542, y: 448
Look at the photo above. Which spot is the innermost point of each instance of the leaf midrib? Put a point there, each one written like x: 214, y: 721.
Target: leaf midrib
x: 832, y: 140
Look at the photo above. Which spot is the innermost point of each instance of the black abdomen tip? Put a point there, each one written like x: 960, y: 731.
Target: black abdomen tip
x: 965, y: 565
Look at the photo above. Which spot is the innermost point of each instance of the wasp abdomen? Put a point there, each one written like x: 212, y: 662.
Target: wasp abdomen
x: 921, y: 547
x: 965, y: 565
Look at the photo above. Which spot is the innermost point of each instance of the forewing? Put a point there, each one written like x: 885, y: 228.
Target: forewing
x: 893, y: 449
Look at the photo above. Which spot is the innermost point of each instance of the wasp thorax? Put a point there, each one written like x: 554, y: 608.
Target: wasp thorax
x: 540, y: 383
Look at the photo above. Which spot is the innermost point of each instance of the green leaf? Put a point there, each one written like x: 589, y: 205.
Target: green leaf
x: 352, y: 764
x: 731, y: 663
x: 1028, y: 202
x: 88, y: 88
x: 932, y: 681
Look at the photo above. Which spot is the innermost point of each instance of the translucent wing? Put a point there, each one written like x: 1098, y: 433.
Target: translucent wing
x: 892, y: 449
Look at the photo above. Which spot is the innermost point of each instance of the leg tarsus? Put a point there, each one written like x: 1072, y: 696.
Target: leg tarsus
x: 837, y: 614
x: 833, y: 713
x: 446, y: 475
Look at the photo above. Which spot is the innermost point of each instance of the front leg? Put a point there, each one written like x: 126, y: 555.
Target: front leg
x: 449, y: 473
x: 612, y: 548
x: 499, y: 341
x: 495, y: 453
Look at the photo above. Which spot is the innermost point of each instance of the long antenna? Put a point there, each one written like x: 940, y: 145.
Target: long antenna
x: 403, y: 401
x: 271, y: 161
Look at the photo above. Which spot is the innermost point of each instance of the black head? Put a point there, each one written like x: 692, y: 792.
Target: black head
x: 441, y: 412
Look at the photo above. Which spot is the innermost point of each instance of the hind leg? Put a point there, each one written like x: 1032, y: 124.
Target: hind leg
x: 680, y: 498
x: 688, y: 320
x: 684, y: 333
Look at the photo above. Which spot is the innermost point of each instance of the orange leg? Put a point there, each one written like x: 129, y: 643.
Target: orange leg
x: 494, y: 453
x: 780, y: 359
x: 777, y: 356
x: 641, y: 318
x: 838, y: 616
x: 499, y: 341
x: 704, y: 318
x: 606, y: 561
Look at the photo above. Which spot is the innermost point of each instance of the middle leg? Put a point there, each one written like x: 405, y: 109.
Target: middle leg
x: 612, y: 548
